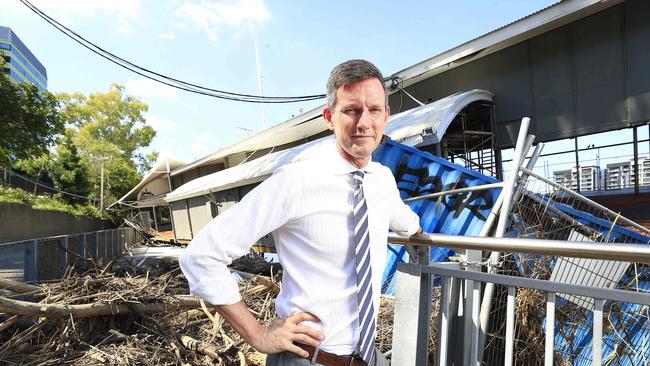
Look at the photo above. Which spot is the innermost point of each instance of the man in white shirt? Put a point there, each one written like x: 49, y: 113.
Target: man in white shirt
x: 329, y: 217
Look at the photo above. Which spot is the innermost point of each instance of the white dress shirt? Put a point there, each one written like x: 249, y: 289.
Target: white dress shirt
x: 308, y: 208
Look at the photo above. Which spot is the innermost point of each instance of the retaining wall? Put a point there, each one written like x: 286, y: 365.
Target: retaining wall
x: 22, y: 222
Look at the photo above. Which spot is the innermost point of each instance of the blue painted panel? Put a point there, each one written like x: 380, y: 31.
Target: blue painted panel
x: 419, y: 173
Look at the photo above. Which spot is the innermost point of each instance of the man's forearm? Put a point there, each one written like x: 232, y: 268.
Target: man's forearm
x: 242, y: 321
x: 276, y: 337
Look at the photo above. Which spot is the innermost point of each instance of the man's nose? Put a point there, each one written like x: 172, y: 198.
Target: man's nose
x: 365, y: 120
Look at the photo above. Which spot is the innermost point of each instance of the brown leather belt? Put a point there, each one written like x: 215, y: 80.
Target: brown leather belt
x: 330, y: 359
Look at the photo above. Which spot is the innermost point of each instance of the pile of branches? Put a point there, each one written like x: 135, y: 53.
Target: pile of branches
x: 121, y: 314
x: 137, y: 317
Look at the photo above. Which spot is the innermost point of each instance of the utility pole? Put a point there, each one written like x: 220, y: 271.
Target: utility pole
x: 101, y: 187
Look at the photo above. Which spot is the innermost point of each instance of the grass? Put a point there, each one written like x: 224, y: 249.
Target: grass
x: 52, y: 203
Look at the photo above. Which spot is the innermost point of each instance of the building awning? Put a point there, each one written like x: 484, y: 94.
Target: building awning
x: 135, y: 197
x: 425, y: 124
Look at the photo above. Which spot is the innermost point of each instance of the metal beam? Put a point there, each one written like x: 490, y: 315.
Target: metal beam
x: 611, y: 251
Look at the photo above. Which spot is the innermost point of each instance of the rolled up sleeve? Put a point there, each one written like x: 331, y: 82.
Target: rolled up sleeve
x: 230, y: 235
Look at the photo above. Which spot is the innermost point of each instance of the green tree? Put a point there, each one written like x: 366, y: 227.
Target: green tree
x: 146, y: 161
x: 110, y: 130
x: 29, y: 121
x: 37, y: 167
x: 67, y: 170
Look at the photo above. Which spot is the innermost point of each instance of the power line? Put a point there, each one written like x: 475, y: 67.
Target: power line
x: 164, y: 79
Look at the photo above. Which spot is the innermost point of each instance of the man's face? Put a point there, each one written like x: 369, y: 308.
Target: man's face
x: 358, y: 119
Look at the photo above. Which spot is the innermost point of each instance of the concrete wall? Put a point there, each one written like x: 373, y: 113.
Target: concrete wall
x: 22, y: 222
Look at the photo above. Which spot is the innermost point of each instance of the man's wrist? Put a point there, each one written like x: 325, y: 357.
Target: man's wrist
x: 256, y: 336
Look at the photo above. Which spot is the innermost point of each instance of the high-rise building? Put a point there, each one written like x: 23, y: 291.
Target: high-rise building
x: 590, y: 178
x: 618, y: 175
x: 644, y: 171
x: 20, y: 63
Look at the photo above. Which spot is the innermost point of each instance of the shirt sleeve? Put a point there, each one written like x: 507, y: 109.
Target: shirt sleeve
x: 403, y: 220
x: 230, y: 235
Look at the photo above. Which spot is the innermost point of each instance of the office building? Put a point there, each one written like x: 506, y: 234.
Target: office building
x: 20, y: 63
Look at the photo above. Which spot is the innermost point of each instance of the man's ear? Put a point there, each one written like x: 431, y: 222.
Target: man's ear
x: 327, y: 115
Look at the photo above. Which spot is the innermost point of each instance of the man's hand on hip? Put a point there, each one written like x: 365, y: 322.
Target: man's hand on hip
x: 280, y: 335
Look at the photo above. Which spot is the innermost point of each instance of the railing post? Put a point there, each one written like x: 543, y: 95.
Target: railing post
x: 81, y: 249
x: 444, y: 322
x: 31, y: 261
x: 106, y: 245
x: 113, y: 243
x: 94, y: 247
x: 424, y: 309
x: 550, y: 329
x: 597, y: 342
x: 406, y: 315
x: 63, y: 256
x: 510, y: 326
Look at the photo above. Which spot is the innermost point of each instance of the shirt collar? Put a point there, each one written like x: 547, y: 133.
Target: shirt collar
x: 339, y: 165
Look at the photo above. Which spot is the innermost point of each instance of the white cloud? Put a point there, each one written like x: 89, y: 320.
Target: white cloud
x: 125, y: 12
x: 148, y: 88
x: 211, y: 16
x: 179, y: 25
x: 161, y: 124
x: 169, y: 35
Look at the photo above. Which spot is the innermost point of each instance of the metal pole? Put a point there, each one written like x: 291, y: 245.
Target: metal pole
x: 508, y: 190
x: 495, y: 256
x: 550, y: 329
x: 510, y: 325
x: 456, y: 191
x: 171, y: 211
x: 30, y: 272
x: 424, y: 310
x: 443, y: 327
x: 611, y: 251
x: 577, y: 166
x: 101, y: 188
x: 597, y: 343
x: 637, y: 178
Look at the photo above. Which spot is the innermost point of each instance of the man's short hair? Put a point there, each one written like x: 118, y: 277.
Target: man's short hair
x: 351, y: 72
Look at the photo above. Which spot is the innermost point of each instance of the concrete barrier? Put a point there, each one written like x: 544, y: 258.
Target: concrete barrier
x: 22, y: 222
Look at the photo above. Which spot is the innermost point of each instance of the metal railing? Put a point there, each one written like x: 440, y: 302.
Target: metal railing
x: 410, y: 348
x: 48, y: 258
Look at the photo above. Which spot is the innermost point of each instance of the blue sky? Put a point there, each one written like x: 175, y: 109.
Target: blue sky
x: 211, y: 43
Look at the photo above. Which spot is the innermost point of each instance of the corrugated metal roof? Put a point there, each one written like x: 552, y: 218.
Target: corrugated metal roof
x: 429, y: 120
x: 305, y: 125
x: 544, y: 20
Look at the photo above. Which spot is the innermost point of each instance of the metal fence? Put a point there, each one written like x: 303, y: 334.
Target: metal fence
x: 49, y: 258
x: 620, y: 338
x: 547, y: 240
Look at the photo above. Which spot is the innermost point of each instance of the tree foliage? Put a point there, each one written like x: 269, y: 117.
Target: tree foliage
x: 68, y: 172
x: 29, y: 120
x: 109, y: 130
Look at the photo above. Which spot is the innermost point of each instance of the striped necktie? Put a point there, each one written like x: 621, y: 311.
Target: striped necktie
x: 367, y: 326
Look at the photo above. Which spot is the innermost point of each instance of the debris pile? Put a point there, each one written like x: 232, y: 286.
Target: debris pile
x: 123, y: 315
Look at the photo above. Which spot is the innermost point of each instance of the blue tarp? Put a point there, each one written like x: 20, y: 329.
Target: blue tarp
x: 419, y: 173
